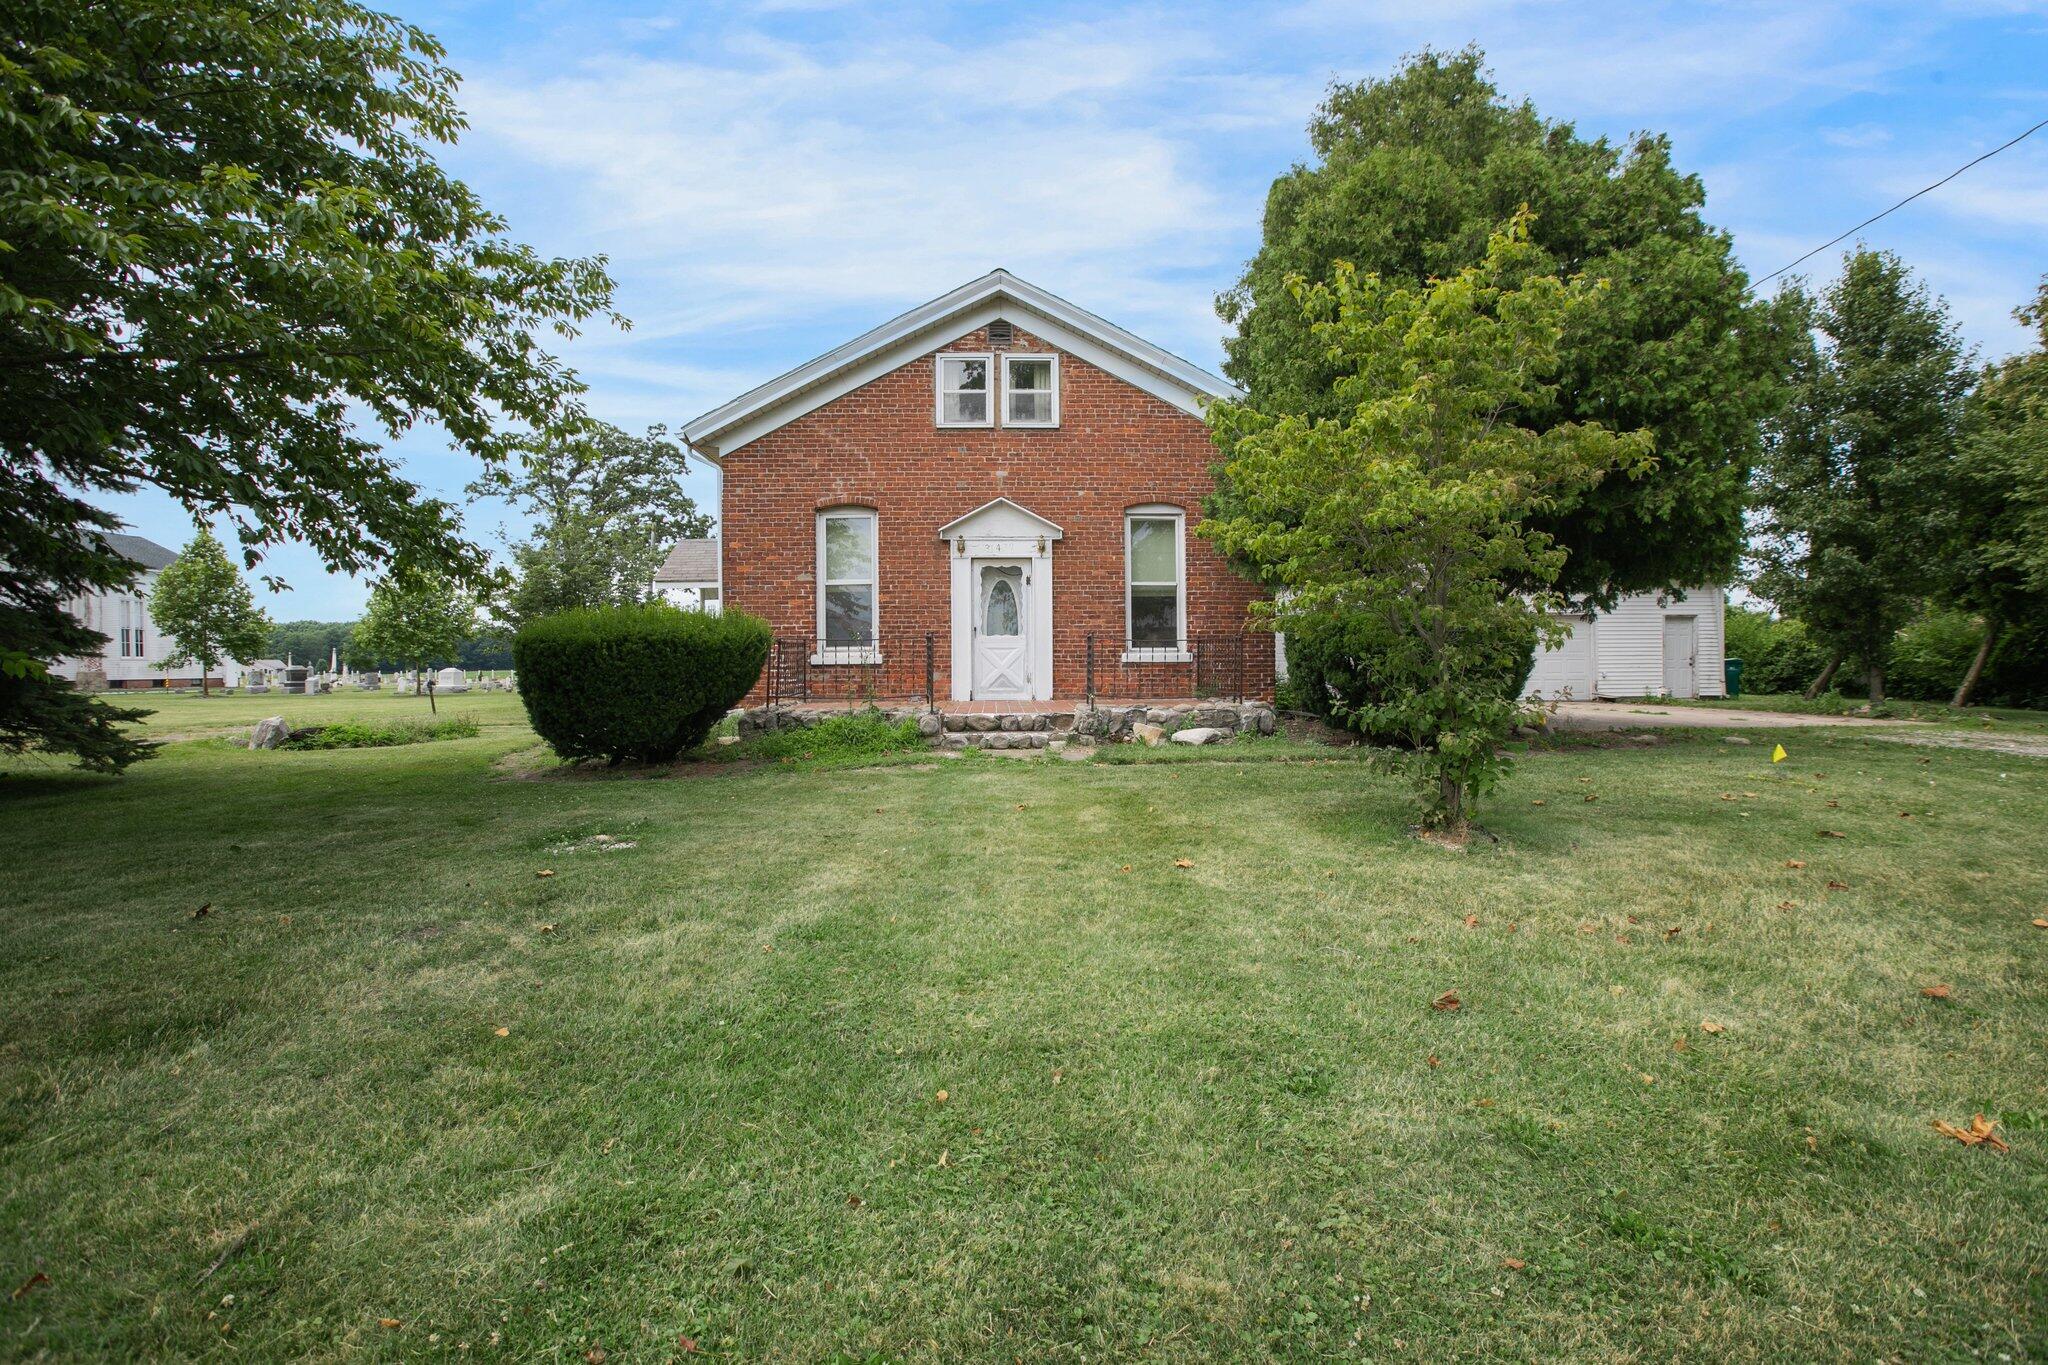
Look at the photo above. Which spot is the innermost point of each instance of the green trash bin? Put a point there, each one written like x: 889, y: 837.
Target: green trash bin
x: 1732, y: 671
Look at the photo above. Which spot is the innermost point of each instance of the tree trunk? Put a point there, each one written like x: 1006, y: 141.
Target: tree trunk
x: 1969, y: 683
x: 1827, y: 675
x: 1452, y: 792
x: 1877, y: 684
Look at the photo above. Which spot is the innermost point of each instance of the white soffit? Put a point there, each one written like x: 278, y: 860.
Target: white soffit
x: 972, y: 306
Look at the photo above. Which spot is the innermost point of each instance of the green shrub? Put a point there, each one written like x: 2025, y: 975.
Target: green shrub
x: 644, y: 683
x: 1930, y: 654
x: 1777, y: 655
x: 382, y: 734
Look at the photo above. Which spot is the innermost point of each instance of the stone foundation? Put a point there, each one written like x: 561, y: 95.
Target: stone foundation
x: 1085, y: 724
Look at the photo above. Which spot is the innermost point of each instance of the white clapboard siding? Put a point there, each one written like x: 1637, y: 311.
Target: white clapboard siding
x: 1627, y: 646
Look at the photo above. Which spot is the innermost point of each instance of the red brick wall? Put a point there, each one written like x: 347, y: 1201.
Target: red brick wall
x: 1116, y: 447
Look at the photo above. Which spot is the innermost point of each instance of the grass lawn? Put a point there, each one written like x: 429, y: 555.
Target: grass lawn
x: 691, y: 1088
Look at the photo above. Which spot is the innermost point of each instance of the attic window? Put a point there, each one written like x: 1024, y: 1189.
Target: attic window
x: 964, y: 390
x: 1000, y: 333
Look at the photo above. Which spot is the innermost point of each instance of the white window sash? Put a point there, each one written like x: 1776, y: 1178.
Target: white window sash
x: 851, y: 654
x: 941, y: 391
x: 1158, y: 654
x: 1052, y: 390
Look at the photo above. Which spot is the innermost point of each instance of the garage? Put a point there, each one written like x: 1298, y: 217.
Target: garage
x: 1565, y: 671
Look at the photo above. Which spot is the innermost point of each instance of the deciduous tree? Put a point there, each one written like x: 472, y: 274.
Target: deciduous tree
x: 1406, y: 511
x: 1997, y: 560
x: 1412, y: 174
x: 1861, y: 464
x: 231, y: 268
x: 414, y: 619
x: 208, y: 612
x: 606, y: 508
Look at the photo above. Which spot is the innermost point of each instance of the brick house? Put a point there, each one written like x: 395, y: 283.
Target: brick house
x: 990, y: 498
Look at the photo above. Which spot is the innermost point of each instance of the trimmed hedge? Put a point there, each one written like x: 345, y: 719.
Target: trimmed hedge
x: 644, y: 683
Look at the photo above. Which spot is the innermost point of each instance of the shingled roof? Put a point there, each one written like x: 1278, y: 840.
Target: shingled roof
x: 692, y: 561
x: 138, y: 549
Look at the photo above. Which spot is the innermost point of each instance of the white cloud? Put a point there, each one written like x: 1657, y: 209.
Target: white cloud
x: 768, y: 183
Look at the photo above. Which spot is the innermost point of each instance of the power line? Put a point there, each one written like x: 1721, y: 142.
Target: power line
x: 1907, y: 200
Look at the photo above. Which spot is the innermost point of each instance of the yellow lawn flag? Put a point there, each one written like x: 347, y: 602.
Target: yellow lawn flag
x: 1778, y: 753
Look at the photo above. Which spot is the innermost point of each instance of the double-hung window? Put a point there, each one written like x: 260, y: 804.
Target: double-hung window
x: 847, y: 582
x: 1155, y: 574
x: 1031, y: 390
x: 965, y: 390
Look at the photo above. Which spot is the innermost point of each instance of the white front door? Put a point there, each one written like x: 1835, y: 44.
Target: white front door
x: 1681, y: 656
x: 1002, y: 629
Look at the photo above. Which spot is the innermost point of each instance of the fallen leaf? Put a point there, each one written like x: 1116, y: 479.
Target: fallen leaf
x: 1471, y: 921
x: 940, y: 1097
x: 853, y: 1201
x: 946, y: 1158
x: 1831, y: 833
x: 503, y: 1032
x: 1939, y: 991
x: 203, y: 911
x: 1125, y: 868
x: 1433, y: 1062
x: 1058, y: 1076
x: 1183, y: 862
x: 1834, y: 805
x: 1631, y: 919
x: 1538, y: 803
x: 1979, y: 1134
x: 1592, y: 796
x: 1674, y: 931
x: 389, y: 1323
x: 1513, y: 927
x: 1648, y: 1079
x: 1589, y: 928
x: 30, y: 1285
x: 547, y: 928
x: 545, y: 872
x: 1905, y: 815
x: 1513, y: 1262
x: 1727, y: 796
x: 1021, y: 806
x: 1794, y: 862
x: 1447, y: 1001
x: 1709, y: 1026
x: 1838, y: 886
x: 1788, y: 905
x: 687, y: 1345
x: 1680, y: 1045
x: 594, y: 1356
x: 2041, y: 924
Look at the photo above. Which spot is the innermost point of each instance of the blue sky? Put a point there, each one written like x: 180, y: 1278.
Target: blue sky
x: 770, y: 178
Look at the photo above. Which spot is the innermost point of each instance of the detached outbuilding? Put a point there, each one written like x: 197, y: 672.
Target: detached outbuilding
x: 1653, y: 644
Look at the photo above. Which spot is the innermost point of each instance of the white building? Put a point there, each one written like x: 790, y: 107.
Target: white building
x: 689, y: 577
x: 134, y: 646
x: 1653, y: 644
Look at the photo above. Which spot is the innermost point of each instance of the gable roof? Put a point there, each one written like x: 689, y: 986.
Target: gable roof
x: 1000, y: 516
x: 974, y: 305
x: 139, y: 550
x: 692, y: 561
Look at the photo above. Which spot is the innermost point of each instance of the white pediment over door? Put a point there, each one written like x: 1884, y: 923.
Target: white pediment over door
x: 1000, y: 520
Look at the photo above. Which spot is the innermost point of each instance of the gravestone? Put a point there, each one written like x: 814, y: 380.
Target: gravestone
x: 451, y: 680
x: 270, y: 732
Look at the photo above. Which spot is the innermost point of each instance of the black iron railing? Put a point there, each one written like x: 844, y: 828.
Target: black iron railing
x: 1234, y: 666
x: 893, y: 666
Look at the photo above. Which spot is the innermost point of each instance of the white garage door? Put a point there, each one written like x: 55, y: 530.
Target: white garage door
x: 1566, y: 671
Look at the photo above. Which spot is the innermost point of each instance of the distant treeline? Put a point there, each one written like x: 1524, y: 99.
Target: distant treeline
x: 315, y: 642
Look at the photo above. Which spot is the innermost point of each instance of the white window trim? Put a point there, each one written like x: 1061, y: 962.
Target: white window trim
x: 1159, y: 654
x: 824, y: 654
x: 939, y: 387
x: 1052, y: 356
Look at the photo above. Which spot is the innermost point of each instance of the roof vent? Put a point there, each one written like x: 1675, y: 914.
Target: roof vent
x: 1000, y: 333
